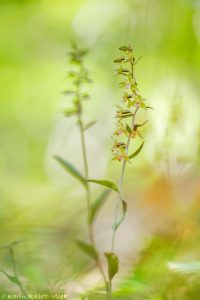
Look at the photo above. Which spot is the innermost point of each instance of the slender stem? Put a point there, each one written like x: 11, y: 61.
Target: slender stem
x: 109, y: 292
x: 120, y: 184
x: 123, y: 171
x: 121, y: 181
x: 88, y: 194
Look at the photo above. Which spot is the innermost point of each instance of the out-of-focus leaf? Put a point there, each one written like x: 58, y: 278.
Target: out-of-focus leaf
x: 70, y: 169
x: 106, y: 183
x: 97, y: 204
x: 69, y: 92
x: 125, y: 48
x: 86, y: 96
x: 119, y: 60
x: 87, y: 126
x: 113, y: 264
x: 15, y: 243
x: 12, y: 279
x: 134, y: 154
x: 190, y: 267
x: 88, y: 249
x: 70, y: 112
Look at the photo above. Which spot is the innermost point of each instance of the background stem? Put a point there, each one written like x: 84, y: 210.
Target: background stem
x: 88, y: 194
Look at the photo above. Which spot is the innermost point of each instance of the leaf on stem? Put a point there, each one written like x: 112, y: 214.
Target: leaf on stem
x: 68, y: 92
x: 87, y: 126
x: 111, y: 185
x: 124, y: 211
x: 126, y: 48
x: 88, y: 249
x: 71, y: 169
x: 70, y: 112
x: 13, y: 279
x: 120, y: 60
x: 113, y: 264
x: 134, y: 154
x: 97, y: 204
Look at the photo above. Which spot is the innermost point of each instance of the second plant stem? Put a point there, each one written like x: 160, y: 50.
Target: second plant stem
x: 120, y: 184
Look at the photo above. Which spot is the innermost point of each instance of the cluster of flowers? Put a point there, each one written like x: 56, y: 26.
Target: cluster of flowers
x: 132, y: 102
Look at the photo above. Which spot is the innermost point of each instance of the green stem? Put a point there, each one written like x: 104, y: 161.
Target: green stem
x: 120, y: 184
x: 122, y: 173
x: 109, y: 290
x: 88, y: 194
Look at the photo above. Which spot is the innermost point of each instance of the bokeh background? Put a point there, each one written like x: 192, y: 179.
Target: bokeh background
x: 43, y: 207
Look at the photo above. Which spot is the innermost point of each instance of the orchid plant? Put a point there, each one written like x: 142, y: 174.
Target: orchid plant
x: 127, y: 131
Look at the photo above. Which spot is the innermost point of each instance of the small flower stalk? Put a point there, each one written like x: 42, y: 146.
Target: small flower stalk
x: 127, y: 128
x: 127, y: 131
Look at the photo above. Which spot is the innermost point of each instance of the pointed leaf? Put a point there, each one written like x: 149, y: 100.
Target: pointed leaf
x: 70, y: 169
x: 69, y: 92
x: 113, y: 264
x: 124, y: 211
x: 134, y: 154
x: 88, y: 249
x: 70, y: 112
x: 97, y: 204
x: 106, y: 183
x: 87, y: 126
x: 13, y: 279
x: 119, y: 60
x: 128, y: 128
x: 125, y: 48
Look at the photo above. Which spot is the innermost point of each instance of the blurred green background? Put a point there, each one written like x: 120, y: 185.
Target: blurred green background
x: 43, y: 206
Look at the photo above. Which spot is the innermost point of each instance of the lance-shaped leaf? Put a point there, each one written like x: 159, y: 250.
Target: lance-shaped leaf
x: 119, y: 60
x: 125, y: 48
x: 96, y: 205
x: 113, y: 264
x: 70, y: 112
x: 71, y: 169
x: 124, y: 211
x: 128, y: 128
x: 134, y: 154
x: 87, y: 126
x: 88, y: 249
x: 141, y: 124
x: 111, y: 185
x: 69, y: 92
x: 13, y: 279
